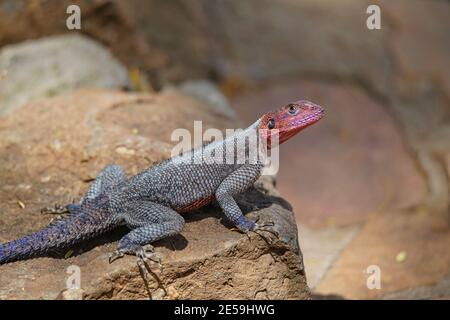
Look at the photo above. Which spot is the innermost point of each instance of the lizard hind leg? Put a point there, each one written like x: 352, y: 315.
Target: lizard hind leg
x: 107, y: 179
x: 149, y: 222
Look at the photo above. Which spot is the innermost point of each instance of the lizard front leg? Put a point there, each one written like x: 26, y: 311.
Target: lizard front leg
x: 237, y: 182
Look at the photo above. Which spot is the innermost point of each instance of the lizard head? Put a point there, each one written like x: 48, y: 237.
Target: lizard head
x: 290, y: 119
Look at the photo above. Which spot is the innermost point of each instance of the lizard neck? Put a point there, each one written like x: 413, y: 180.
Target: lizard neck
x: 244, y: 146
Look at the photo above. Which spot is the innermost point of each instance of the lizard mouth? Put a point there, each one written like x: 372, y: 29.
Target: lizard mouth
x: 299, y: 124
x: 309, y: 119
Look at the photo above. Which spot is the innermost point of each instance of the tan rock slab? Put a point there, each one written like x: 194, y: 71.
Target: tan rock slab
x: 322, y: 247
x: 409, y: 247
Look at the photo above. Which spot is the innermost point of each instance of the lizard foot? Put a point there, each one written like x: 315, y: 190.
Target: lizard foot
x: 60, y: 209
x: 144, y: 254
x: 116, y: 255
x: 266, y: 227
x: 248, y: 226
x: 147, y: 253
x: 56, y: 209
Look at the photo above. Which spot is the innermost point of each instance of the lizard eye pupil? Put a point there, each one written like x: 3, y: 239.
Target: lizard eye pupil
x: 271, y: 124
x: 292, y: 109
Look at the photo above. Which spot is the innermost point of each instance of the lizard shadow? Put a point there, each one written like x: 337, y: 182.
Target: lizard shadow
x: 176, y: 242
x: 250, y: 201
x: 88, y: 245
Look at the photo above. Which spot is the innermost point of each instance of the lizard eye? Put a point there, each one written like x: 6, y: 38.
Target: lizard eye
x: 271, y: 124
x: 292, y: 109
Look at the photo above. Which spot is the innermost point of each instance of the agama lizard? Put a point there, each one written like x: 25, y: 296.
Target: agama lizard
x: 150, y: 202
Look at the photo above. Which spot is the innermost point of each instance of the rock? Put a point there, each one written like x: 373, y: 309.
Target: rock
x: 419, y: 89
x: 72, y: 294
x: 263, y: 40
x: 254, y: 40
x: 439, y: 290
x: 108, y: 22
x: 419, y: 41
x: 267, y: 40
x: 207, y: 92
x: 55, y: 65
x: 321, y: 248
x: 67, y: 140
x: 421, y: 237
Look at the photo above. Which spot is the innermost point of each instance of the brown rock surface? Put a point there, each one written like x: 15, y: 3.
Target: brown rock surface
x: 104, y: 20
x: 52, y: 148
x: 411, y: 249
x: 254, y: 40
x: 55, y: 65
x: 419, y: 89
x: 321, y: 248
x: 419, y: 40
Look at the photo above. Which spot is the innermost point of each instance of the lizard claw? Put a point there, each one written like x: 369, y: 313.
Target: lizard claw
x: 147, y: 253
x: 143, y: 255
x: 267, y: 227
x: 247, y: 226
x: 236, y: 230
x: 116, y: 255
x: 264, y: 225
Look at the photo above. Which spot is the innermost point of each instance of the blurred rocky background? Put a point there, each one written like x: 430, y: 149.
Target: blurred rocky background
x: 369, y: 184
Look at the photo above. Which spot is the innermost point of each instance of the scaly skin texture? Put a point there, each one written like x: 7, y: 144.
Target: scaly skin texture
x: 150, y: 203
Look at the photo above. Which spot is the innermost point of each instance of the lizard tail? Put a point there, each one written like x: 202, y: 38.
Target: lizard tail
x: 23, y: 248
x: 36, y: 244
x: 58, y: 235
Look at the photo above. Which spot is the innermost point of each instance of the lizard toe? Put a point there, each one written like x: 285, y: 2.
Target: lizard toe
x: 245, y: 225
x: 261, y: 228
x: 268, y: 227
x: 115, y: 255
x: 148, y: 248
x: 147, y: 253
